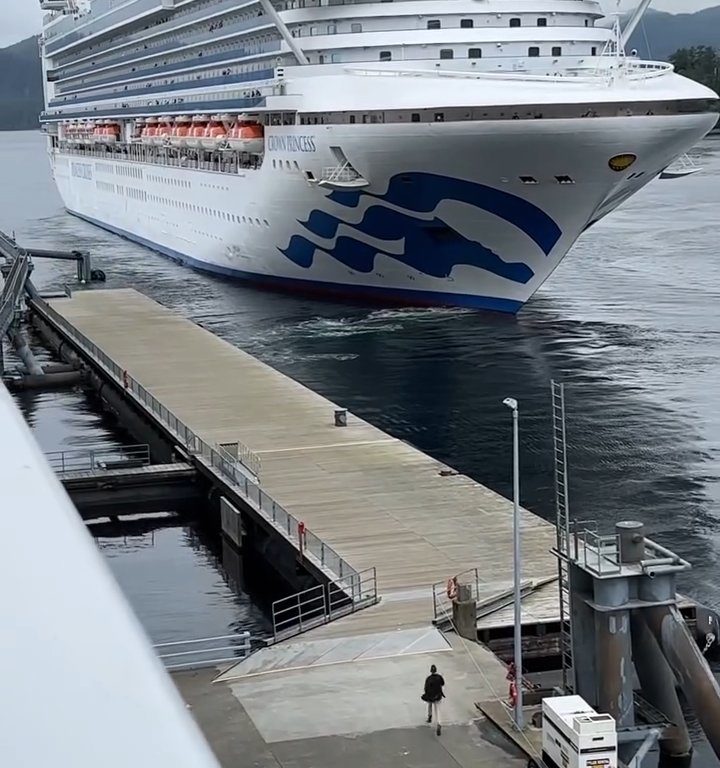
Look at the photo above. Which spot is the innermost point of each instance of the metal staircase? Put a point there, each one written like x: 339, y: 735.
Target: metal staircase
x: 562, y: 511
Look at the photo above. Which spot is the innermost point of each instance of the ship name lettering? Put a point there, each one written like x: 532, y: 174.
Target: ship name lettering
x: 291, y: 143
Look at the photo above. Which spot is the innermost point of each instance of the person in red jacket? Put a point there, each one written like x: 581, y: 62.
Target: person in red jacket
x: 433, y: 695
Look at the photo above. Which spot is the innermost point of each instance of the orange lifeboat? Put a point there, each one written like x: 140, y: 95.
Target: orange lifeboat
x: 164, y: 131
x: 149, y: 132
x: 196, y: 134
x: 110, y: 133
x: 246, y: 136
x: 180, y: 131
x: 215, y: 133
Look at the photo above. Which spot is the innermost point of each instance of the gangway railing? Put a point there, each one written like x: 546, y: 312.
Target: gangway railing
x: 13, y: 286
x: 235, y: 472
x: 323, y: 603
x: 98, y: 460
x: 205, y: 651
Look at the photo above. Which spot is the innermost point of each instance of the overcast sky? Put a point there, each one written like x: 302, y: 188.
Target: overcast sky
x: 22, y: 18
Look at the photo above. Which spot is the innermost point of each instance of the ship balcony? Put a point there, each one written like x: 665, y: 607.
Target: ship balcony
x: 342, y: 176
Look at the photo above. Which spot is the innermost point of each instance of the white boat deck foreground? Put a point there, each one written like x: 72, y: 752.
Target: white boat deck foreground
x: 100, y: 676
x: 373, y: 498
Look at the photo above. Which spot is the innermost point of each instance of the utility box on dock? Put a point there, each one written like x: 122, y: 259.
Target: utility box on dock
x: 574, y: 735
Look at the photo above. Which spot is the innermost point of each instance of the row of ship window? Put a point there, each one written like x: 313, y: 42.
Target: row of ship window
x: 476, y: 53
x: 168, y: 180
x: 357, y: 26
x: 204, y: 210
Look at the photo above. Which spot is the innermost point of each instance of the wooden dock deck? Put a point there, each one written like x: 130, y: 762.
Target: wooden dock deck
x: 375, y: 499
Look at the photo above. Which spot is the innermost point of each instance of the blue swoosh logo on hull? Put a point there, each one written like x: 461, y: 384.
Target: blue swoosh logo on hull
x: 430, y: 246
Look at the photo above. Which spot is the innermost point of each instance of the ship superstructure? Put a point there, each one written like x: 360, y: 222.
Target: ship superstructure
x: 423, y: 151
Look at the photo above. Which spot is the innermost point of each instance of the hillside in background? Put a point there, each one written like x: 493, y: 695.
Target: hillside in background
x: 661, y: 34
x: 21, y: 98
x: 658, y: 37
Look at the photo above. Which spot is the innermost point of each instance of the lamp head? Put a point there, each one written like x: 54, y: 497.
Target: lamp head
x: 511, y: 403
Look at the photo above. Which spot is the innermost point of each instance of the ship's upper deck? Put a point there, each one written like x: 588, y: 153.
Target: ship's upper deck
x: 156, y: 53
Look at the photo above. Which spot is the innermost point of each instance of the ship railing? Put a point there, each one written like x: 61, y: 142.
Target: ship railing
x: 232, y: 161
x: 629, y: 68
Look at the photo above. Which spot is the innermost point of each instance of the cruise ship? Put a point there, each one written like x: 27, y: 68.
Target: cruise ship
x: 430, y: 152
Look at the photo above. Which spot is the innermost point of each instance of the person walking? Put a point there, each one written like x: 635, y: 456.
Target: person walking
x: 433, y: 695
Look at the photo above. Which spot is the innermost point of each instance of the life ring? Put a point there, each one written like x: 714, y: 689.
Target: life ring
x: 451, y: 588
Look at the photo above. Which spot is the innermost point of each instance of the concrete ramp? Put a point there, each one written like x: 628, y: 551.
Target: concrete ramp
x: 338, y: 650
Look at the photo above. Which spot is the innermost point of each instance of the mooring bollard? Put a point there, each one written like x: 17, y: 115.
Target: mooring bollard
x: 341, y: 417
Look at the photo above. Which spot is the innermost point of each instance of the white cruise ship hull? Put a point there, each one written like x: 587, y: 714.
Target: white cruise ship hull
x: 474, y: 214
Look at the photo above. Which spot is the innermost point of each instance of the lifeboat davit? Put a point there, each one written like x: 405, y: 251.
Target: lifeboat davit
x: 84, y: 132
x: 147, y: 136
x: 69, y: 133
x: 98, y: 132
x: 180, y: 131
x: 197, y: 131
x: 215, y: 133
x: 246, y: 136
x: 164, y: 131
x: 138, y: 128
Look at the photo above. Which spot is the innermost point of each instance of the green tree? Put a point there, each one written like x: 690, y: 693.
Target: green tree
x: 701, y: 63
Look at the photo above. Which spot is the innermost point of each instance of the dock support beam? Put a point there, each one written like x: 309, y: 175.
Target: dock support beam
x: 658, y: 686
x: 24, y: 352
x: 614, y: 655
x: 690, y: 668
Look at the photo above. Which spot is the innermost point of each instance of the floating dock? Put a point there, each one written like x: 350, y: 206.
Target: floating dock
x: 373, y: 499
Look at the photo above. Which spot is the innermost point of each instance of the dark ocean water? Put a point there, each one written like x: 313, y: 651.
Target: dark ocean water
x: 630, y: 322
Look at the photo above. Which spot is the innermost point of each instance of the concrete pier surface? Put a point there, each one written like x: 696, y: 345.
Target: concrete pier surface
x: 376, y: 500
x: 354, y: 714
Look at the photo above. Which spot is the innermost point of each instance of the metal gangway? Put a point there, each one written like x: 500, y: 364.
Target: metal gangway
x: 14, y: 284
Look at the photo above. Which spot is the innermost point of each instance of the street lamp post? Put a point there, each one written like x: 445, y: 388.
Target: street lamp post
x: 512, y: 404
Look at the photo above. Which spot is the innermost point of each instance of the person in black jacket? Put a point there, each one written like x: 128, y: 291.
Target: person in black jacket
x: 433, y: 695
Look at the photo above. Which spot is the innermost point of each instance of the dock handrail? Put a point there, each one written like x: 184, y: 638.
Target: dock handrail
x: 323, y: 603
x: 190, y: 654
x: 94, y: 460
x: 241, y: 477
